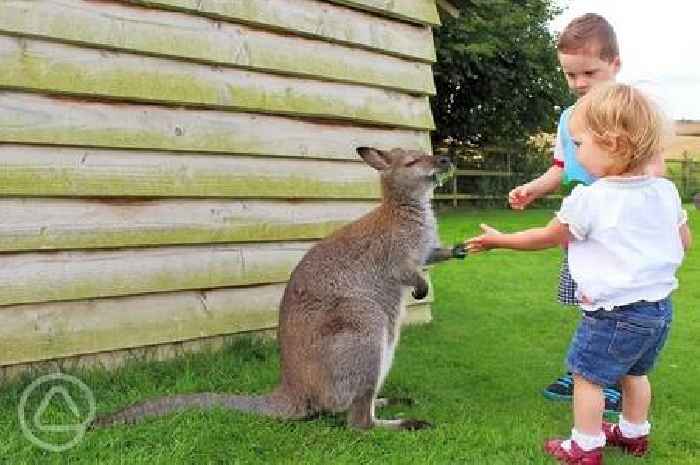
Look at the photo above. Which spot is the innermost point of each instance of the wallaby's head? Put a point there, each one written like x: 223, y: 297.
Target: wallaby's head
x: 406, y: 174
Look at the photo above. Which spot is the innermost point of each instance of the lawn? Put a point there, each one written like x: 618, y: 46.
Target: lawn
x: 476, y: 371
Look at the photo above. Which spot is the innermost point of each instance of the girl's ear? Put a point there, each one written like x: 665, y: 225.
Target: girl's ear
x: 610, y: 142
x: 620, y: 149
x: 613, y: 143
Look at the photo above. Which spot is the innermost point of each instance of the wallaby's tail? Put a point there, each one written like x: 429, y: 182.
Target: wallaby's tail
x: 275, y: 404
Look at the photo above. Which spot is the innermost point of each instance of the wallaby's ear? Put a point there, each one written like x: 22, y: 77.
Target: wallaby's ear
x: 377, y: 159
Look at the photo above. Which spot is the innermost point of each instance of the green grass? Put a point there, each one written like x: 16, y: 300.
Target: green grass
x: 477, y: 372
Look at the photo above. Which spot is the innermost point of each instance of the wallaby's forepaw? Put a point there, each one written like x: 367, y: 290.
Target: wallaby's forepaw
x: 420, y: 292
x: 414, y: 425
x: 459, y: 251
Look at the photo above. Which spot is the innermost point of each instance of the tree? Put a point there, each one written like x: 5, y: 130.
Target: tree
x: 497, y: 75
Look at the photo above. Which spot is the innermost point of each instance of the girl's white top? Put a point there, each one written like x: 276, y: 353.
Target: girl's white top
x: 627, y: 244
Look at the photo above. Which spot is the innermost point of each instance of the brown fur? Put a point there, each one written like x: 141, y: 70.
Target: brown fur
x: 340, y: 314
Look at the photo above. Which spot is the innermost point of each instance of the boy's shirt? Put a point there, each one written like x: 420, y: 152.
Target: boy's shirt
x: 565, y: 156
x: 627, y: 245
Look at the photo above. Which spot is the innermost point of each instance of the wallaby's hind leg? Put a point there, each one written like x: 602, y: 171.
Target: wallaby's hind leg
x: 409, y: 424
x: 382, y: 402
x: 361, y: 413
x: 357, y: 355
x: 361, y: 416
x: 350, y: 357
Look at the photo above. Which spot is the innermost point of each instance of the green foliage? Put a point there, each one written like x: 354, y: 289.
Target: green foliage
x: 497, y: 74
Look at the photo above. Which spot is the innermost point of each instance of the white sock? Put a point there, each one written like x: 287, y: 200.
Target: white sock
x: 585, y: 441
x: 633, y: 430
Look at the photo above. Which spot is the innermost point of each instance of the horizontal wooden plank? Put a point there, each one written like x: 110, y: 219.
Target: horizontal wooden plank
x: 316, y: 18
x: 53, y: 171
x: 46, y: 331
x: 37, y: 332
x: 421, y: 11
x: 51, y: 276
x: 113, y: 359
x: 416, y: 11
x: 51, y: 224
x: 65, y: 69
x: 156, y: 32
x: 27, y: 118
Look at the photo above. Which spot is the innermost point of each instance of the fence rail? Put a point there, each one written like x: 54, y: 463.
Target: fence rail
x: 685, y: 174
x: 455, y: 195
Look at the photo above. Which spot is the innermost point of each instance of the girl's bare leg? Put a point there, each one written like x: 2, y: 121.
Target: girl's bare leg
x: 636, y: 397
x: 588, y: 405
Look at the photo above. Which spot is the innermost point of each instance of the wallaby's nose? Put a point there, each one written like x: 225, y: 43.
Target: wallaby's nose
x: 443, y: 162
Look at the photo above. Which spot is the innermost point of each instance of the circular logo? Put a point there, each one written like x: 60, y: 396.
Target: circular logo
x: 59, y: 432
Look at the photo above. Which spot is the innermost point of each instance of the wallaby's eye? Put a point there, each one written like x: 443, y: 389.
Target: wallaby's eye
x: 412, y: 162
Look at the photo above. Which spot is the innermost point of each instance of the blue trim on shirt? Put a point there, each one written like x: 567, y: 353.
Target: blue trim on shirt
x: 574, y: 173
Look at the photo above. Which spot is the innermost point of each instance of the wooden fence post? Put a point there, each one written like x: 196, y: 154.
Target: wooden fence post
x: 454, y: 190
x: 685, y: 175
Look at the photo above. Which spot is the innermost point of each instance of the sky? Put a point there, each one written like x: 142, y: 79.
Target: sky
x: 659, y: 46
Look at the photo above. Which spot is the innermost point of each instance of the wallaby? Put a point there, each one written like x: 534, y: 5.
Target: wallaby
x: 340, y: 314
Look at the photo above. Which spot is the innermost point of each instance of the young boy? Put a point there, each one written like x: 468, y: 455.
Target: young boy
x: 588, y: 54
x: 627, y: 234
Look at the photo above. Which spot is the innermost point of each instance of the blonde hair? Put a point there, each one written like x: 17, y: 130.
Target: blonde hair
x: 625, y: 122
x: 588, y: 33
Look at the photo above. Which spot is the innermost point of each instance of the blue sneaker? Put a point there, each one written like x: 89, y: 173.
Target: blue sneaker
x: 613, y: 402
x: 562, y: 389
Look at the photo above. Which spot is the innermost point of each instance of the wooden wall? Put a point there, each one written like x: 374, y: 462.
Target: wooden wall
x: 164, y: 164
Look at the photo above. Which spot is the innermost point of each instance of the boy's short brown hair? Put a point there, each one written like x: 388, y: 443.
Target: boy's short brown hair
x: 589, y: 33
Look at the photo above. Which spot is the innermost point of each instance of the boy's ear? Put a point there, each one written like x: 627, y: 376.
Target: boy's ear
x: 617, y: 64
x: 377, y: 159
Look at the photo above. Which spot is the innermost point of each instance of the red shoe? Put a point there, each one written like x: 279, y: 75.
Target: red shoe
x: 575, y: 456
x: 633, y: 446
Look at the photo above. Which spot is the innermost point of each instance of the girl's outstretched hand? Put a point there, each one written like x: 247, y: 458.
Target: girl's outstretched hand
x: 483, y: 242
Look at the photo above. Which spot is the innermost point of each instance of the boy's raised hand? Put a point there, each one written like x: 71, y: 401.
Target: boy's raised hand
x: 482, y: 242
x: 521, y: 197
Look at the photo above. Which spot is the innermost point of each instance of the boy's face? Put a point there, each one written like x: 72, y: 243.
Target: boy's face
x: 586, y: 69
